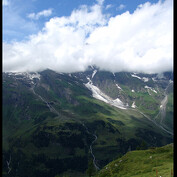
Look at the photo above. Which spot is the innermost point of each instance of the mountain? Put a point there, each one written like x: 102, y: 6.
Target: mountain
x: 142, y: 163
x: 55, y: 123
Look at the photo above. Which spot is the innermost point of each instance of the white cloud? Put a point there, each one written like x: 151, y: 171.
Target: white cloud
x: 5, y: 2
x: 100, y: 2
x: 137, y: 42
x: 109, y: 6
x: 121, y: 6
x: 36, y: 16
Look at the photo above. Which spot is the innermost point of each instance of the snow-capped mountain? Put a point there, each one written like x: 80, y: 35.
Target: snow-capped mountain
x: 64, y: 119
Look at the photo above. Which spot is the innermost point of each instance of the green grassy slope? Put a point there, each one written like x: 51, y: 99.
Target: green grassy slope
x: 40, y: 142
x: 142, y: 163
x: 147, y: 96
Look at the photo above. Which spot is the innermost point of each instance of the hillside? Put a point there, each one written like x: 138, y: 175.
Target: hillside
x: 142, y: 163
x: 55, y: 122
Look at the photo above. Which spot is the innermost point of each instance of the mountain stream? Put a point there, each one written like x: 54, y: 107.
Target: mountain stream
x: 162, y: 112
x: 52, y: 109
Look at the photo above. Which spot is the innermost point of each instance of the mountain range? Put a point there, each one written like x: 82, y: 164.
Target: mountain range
x: 55, y: 123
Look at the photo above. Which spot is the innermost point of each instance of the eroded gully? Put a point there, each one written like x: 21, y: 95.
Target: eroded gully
x: 162, y: 112
x: 52, y: 109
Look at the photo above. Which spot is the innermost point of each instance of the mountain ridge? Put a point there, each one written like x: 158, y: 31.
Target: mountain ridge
x: 55, y: 116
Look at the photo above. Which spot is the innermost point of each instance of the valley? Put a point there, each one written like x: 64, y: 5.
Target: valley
x: 58, y: 122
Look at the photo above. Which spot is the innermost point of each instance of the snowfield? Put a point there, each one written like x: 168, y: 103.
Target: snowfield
x: 136, y: 76
x: 145, y: 79
x: 98, y: 94
x: 133, y: 105
x: 94, y: 72
x: 118, y: 87
x: 150, y: 89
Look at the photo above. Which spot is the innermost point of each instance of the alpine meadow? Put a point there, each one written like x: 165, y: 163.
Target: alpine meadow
x: 87, y: 88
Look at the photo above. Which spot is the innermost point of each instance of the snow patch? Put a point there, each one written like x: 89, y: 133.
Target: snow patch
x: 98, y: 94
x: 25, y: 76
x: 147, y: 87
x: 32, y: 76
x: 89, y: 80
x: 133, y: 105
x: 145, y: 79
x: 118, y: 101
x: 91, y: 66
x: 150, y: 89
x: 136, y: 76
x: 170, y: 81
x: 118, y: 87
x: 154, y: 79
x: 94, y: 72
x: 154, y: 91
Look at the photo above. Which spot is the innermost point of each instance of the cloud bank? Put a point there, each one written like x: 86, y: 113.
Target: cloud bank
x: 137, y: 42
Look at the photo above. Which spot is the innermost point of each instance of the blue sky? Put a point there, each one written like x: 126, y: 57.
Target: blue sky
x: 17, y: 25
x: 70, y: 35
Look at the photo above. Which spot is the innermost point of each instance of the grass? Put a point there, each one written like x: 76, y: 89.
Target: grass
x: 131, y: 119
x: 142, y: 163
x: 114, y: 127
x: 146, y: 103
